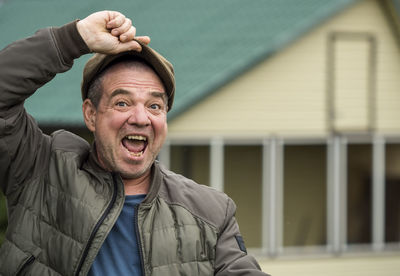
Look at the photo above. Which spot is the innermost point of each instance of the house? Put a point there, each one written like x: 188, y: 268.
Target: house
x: 306, y: 140
x: 290, y: 107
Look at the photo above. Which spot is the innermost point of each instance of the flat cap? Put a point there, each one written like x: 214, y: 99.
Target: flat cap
x: 164, y: 69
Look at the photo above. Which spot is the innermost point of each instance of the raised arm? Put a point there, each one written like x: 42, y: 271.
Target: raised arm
x: 30, y: 63
x: 27, y: 64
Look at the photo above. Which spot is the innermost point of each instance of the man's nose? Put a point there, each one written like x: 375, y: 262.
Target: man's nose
x: 139, y: 116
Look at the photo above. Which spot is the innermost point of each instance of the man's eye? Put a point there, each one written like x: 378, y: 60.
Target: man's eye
x: 121, y: 104
x: 155, y: 106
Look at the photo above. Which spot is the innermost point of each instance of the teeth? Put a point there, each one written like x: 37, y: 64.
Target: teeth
x: 136, y: 137
x: 136, y: 154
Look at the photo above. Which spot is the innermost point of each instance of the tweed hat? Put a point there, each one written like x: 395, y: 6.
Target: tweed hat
x: 164, y: 69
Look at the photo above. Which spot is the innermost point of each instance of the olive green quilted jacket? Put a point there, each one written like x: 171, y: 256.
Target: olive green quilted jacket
x: 62, y: 204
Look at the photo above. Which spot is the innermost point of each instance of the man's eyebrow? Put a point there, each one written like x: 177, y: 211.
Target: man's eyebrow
x: 119, y: 92
x: 162, y: 95
x: 155, y: 94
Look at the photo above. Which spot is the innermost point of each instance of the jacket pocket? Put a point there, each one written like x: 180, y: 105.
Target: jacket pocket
x: 14, y: 261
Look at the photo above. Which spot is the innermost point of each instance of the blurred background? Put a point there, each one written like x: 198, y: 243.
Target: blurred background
x: 291, y: 107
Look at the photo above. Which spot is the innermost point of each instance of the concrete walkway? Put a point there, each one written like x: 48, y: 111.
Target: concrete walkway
x: 376, y: 265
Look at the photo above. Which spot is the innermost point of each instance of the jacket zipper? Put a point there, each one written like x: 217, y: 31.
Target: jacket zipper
x: 97, y: 226
x: 30, y: 260
x: 136, y: 220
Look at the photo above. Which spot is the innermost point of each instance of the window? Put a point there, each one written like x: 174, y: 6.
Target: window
x: 392, y: 193
x: 302, y: 203
x: 243, y: 176
x: 359, y: 197
x: 192, y: 162
x: 304, y: 207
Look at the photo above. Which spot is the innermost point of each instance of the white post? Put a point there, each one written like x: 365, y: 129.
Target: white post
x: 378, y: 194
x: 272, y: 202
x: 217, y: 164
x: 337, y: 194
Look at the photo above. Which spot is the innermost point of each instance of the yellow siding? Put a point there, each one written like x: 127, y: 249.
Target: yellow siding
x: 286, y: 94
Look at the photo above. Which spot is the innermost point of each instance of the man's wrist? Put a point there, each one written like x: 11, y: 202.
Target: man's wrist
x: 69, y: 42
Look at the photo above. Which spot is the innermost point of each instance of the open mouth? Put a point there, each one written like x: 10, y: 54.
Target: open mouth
x: 135, y: 144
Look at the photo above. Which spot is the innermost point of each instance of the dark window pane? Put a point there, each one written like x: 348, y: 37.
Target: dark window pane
x: 192, y: 162
x: 392, y: 193
x: 243, y: 178
x: 304, y: 195
x: 359, y: 184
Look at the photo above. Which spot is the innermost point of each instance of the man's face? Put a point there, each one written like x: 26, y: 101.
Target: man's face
x: 130, y: 122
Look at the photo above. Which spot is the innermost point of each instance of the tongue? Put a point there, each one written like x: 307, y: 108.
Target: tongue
x: 134, y: 145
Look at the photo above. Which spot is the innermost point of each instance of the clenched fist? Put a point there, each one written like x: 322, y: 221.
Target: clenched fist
x: 110, y: 32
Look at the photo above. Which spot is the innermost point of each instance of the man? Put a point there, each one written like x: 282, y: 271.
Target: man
x: 109, y: 209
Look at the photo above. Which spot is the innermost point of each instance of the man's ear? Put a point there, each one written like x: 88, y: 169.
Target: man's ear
x: 89, y: 114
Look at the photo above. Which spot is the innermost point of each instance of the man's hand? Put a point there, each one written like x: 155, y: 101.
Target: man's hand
x: 110, y: 32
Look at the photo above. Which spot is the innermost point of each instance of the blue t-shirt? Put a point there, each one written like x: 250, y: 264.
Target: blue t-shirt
x: 119, y: 254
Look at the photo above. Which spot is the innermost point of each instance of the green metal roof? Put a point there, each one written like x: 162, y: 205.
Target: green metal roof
x: 210, y: 42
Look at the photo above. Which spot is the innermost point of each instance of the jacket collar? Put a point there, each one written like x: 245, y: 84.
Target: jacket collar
x: 155, y: 184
